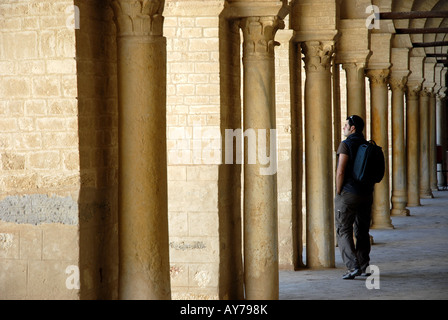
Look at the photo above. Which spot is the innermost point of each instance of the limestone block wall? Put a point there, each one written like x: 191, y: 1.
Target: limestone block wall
x: 39, y: 156
x: 193, y: 145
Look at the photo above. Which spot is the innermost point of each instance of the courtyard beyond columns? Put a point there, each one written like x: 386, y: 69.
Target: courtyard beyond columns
x: 412, y: 260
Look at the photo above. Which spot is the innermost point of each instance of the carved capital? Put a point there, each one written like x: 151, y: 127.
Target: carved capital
x: 378, y: 77
x: 138, y: 17
x: 441, y: 94
x: 398, y: 83
x: 318, y: 55
x: 259, y: 33
x: 426, y: 92
x: 354, y: 71
x: 413, y: 90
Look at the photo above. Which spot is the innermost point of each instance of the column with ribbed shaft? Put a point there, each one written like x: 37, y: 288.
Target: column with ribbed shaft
x: 356, y: 89
x: 260, y: 179
x: 379, y: 133
x: 424, y: 175
x: 142, y: 201
x: 399, y: 187
x: 318, y: 155
x: 412, y: 142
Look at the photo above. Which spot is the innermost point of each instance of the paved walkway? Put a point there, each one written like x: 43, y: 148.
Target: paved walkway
x: 412, y: 260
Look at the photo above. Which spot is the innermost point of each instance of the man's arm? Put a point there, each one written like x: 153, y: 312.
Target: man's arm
x: 340, y: 172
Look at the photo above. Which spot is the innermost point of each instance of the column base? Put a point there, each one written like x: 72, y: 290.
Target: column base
x: 384, y: 225
x: 427, y: 195
x: 413, y: 204
x: 399, y: 212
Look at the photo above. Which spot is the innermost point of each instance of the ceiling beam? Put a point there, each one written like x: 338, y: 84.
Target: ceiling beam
x: 429, y: 44
x: 414, y: 15
x: 420, y: 30
x: 437, y: 55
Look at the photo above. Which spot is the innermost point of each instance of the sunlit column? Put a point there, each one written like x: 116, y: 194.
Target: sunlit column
x: 142, y: 201
x: 379, y: 133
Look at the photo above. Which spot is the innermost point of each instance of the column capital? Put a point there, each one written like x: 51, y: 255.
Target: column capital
x: 378, y: 76
x: 413, y: 88
x: 398, y: 82
x: 353, y: 69
x: 259, y: 33
x: 318, y: 55
x: 426, y: 92
x: 138, y: 17
x: 441, y: 93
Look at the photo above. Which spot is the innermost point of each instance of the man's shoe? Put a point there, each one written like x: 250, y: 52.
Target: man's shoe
x: 351, y: 274
x: 364, y: 273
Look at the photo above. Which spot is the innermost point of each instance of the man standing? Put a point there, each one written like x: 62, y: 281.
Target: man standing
x: 353, y: 203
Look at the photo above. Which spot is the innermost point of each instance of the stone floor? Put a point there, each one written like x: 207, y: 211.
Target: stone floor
x: 412, y: 260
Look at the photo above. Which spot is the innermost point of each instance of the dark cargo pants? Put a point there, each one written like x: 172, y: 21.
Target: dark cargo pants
x: 352, y: 215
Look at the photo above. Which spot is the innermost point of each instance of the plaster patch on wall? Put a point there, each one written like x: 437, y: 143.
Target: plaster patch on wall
x: 175, y: 271
x: 202, y: 278
x: 6, y: 240
x: 39, y: 208
x: 187, y: 246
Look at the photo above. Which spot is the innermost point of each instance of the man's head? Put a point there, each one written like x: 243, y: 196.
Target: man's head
x: 354, y: 124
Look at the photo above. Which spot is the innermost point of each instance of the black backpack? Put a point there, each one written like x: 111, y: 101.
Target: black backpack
x: 369, y: 165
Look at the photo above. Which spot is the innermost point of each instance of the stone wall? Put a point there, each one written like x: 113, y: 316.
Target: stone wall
x: 193, y: 130
x: 39, y: 156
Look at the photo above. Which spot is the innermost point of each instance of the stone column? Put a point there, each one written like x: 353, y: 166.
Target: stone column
x: 432, y: 143
x: 260, y: 183
x: 318, y: 154
x: 379, y: 133
x: 296, y: 149
x: 441, y: 134
x: 356, y: 92
x: 412, y: 142
x: 142, y: 201
x: 424, y: 185
x: 399, y: 187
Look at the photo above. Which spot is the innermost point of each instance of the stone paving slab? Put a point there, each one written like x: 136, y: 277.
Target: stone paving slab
x: 412, y: 260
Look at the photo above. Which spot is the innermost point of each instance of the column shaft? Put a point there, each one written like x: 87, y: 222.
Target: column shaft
x: 356, y: 90
x: 412, y: 143
x: 260, y: 183
x: 441, y: 137
x: 432, y: 143
x: 399, y: 187
x: 379, y: 132
x: 318, y: 155
x: 424, y: 185
x: 296, y: 151
x: 142, y: 202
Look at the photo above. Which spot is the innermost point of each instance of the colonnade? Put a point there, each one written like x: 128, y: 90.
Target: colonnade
x: 143, y: 227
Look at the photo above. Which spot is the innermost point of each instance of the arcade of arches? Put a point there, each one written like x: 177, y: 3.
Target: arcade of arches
x: 185, y: 149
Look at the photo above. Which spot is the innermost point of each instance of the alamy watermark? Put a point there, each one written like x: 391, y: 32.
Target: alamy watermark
x: 373, y: 20
x: 204, y: 145
x: 72, y: 282
x: 373, y: 280
x: 73, y: 17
